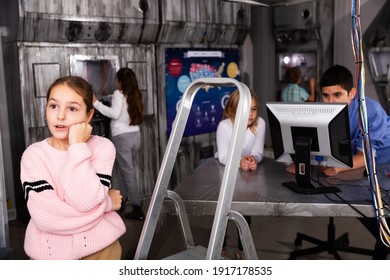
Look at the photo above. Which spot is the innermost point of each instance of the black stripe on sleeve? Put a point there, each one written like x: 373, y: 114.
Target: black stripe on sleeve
x: 37, y: 186
x: 105, y: 179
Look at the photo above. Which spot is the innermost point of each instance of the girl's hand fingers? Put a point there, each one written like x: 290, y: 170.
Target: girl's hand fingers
x: 79, y: 133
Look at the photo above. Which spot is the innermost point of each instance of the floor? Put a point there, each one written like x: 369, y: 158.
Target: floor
x: 274, y: 237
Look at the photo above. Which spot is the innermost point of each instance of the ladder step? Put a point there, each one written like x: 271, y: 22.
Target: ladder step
x: 195, y: 253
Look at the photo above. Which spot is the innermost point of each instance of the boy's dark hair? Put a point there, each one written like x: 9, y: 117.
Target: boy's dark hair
x: 293, y: 75
x: 337, y: 75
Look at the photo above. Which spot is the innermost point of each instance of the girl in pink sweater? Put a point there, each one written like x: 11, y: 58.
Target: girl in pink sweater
x: 66, y: 182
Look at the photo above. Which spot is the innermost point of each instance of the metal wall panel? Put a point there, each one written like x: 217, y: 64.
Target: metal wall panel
x: 203, y: 22
x: 87, y: 21
x: 297, y: 16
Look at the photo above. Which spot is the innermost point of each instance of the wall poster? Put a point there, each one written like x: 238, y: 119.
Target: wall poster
x: 183, y: 66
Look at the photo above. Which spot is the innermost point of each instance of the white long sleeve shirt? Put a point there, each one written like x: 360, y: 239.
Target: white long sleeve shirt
x: 253, y: 143
x: 120, y: 119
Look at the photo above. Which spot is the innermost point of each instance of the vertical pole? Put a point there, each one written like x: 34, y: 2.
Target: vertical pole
x: 4, y: 234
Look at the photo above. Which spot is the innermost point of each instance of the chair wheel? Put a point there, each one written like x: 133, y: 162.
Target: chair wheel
x: 298, y: 242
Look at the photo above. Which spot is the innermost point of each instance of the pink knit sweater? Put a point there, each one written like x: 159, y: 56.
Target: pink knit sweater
x: 67, y: 198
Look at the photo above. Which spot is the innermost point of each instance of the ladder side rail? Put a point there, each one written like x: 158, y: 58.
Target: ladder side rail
x: 183, y: 218
x: 245, y: 235
x: 230, y: 174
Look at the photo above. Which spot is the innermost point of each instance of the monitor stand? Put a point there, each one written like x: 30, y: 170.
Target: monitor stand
x: 303, y: 183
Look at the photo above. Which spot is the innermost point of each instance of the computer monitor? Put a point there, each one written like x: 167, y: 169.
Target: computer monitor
x: 310, y: 134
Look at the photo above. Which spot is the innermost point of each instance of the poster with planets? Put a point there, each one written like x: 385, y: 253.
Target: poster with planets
x: 185, y: 65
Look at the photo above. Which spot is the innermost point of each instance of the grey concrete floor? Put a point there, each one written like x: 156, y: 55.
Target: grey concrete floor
x: 274, y: 237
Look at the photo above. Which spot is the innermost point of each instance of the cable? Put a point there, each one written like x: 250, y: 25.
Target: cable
x: 349, y: 203
x: 364, y: 127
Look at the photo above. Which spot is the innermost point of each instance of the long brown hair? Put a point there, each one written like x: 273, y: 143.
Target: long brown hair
x: 129, y: 86
x: 231, y: 108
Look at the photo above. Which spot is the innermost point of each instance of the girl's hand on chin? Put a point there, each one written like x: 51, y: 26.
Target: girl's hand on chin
x: 79, y: 133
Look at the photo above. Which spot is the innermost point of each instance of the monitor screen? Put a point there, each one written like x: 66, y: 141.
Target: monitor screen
x: 310, y: 134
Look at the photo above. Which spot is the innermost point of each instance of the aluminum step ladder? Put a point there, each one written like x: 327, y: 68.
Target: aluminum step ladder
x: 223, y: 210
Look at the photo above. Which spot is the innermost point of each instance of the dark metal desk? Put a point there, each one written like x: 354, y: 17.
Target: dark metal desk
x: 261, y: 193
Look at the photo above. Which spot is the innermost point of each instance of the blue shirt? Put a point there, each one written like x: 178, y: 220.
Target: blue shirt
x: 378, y: 129
x: 294, y: 93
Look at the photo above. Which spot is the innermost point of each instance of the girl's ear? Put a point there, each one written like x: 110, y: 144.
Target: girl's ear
x: 90, y: 115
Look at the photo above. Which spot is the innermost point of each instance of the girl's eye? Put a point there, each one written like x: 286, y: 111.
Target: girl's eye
x: 73, y: 109
x: 52, y: 106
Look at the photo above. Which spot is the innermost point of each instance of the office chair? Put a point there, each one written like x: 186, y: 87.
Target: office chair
x: 331, y: 245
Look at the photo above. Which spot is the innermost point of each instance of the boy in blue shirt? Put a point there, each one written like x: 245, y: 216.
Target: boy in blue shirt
x: 337, y: 86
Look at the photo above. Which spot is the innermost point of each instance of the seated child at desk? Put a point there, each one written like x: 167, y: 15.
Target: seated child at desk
x: 253, y: 149
x: 337, y: 86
